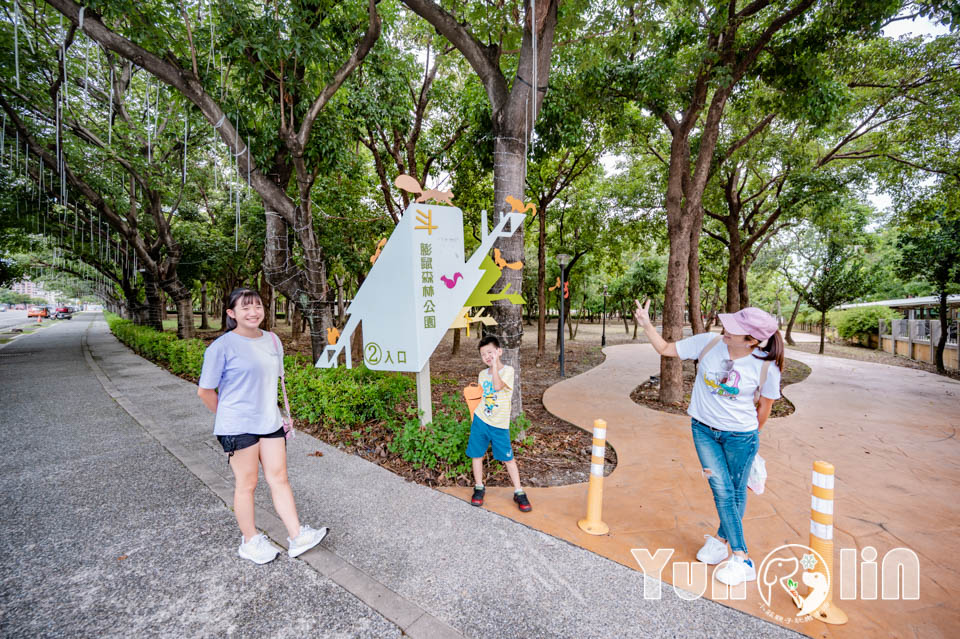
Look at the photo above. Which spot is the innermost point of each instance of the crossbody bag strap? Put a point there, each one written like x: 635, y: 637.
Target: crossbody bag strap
x: 709, y: 347
x: 283, y: 383
x: 763, y: 380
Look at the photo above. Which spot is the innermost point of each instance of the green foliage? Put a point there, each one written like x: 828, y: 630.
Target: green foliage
x: 862, y: 322
x: 182, y: 357
x: 441, y: 444
x: 344, y: 397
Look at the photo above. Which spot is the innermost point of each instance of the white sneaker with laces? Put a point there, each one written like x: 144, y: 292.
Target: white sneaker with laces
x: 713, y: 552
x: 307, y: 539
x: 736, y: 571
x: 258, y: 550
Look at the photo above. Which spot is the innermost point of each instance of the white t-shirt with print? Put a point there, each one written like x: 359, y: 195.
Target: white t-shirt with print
x: 724, y: 388
x: 494, y: 407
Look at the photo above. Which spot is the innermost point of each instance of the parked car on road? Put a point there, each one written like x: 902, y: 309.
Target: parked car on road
x: 63, y: 312
x: 38, y: 311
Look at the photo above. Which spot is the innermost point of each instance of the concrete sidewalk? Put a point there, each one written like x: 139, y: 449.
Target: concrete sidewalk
x: 118, y: 526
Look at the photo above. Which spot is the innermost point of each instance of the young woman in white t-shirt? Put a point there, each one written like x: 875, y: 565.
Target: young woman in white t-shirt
x: 241, y: 370
x: 734, y: 371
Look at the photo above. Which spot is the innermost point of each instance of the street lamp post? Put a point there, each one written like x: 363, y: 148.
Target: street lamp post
x: 563, y: 259
x: 603, y: 336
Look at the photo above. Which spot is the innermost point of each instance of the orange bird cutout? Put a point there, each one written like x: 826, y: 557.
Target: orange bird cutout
x: 380, y: 245
x: 333, y: 334
x: 519, y: 207
x: 501, y: 263
x: 555, y: 286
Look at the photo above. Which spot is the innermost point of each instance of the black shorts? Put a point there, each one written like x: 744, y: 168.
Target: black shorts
x: 233, y: 443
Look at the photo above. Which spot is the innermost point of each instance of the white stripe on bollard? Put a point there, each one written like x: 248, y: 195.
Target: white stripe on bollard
x: 824, y: 506
x: 599, y: 451
x: 599, y: 433
x: 821, y: 531
x: 823, y: 481
x: 596, y: 470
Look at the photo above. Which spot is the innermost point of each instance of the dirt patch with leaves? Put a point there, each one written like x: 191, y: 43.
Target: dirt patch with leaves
x: 648, y: 393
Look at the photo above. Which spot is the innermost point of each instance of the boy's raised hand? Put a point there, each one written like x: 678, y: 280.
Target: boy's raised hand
x: 640, y: 313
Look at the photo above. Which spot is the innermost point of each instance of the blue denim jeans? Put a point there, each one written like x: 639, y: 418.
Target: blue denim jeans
x: 728, y: 456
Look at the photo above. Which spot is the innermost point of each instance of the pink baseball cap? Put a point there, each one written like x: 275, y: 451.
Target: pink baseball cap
x: 751, y: 321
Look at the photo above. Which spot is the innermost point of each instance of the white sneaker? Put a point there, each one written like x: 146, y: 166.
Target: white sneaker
x: 307, y: 539
x: 713, y: 552
x: 736, y: 571
x: 258, y: 550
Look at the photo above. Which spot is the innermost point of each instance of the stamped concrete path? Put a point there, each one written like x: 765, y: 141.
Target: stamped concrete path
x: 890, y: 432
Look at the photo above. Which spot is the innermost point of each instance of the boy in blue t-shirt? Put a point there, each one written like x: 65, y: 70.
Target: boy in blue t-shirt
x: 491, y: 422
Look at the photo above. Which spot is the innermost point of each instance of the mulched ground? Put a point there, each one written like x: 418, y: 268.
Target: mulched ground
x: 647, y: 393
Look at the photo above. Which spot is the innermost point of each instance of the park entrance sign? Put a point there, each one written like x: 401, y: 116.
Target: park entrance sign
x: 416, y: 289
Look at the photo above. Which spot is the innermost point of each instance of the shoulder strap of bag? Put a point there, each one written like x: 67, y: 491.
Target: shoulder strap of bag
x: 283, y: 383
x: 709, y: 347
x: 763, y: 380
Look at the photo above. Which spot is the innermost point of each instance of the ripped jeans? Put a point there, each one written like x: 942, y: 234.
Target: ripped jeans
x: 728, y: 455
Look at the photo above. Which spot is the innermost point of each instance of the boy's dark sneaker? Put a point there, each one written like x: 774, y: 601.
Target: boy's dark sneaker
x: 522, y: 502
x: 477, y: 499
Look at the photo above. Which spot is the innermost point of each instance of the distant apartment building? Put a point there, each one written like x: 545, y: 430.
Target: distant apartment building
x: 27, y: 287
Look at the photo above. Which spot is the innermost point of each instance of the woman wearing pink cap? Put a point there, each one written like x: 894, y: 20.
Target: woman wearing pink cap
x: 738, y: 379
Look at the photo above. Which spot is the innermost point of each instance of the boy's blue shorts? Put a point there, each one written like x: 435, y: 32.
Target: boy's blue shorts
x: 482, y: 435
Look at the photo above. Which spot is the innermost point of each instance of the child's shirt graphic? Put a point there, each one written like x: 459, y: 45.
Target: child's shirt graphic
x: 494, y: 408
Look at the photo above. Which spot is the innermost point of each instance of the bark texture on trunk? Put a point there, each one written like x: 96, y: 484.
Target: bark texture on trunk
x: 204, y: 307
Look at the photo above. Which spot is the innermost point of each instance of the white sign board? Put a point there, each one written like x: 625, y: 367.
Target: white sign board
x: 416, y: 288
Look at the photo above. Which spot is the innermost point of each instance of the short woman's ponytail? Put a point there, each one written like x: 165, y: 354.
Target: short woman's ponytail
x: 240, y: 296
x: 774, y: 350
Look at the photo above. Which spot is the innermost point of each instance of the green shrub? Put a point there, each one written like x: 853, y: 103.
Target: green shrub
x: 442, y: 444
x: 344, y: 397
x: 863, y: 322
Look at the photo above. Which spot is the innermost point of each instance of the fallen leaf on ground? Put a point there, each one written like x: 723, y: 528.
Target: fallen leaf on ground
x: 315, y: 453
x: 121, y: 557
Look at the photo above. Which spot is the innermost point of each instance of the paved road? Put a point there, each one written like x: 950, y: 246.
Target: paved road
x: 9, y: 319
x: 116, y: 526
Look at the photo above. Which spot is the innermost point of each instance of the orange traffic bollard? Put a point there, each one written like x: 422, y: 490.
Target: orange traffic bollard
x: 821, y: 538
x: 593, y: 524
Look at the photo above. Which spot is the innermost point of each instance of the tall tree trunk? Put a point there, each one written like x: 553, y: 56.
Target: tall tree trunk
x: 823, y: 328
x: 734, y: 272
x: 696, y: 319
x: 509, y: 180
x: 287, y: 306
x: 944, y: 330
x: 456, y: 341
x: 153, y: 318
x: 712, y: 315
x: 163, y: 306
x: 185, y: 329
x: 744, y: 293
x: 204, y: 310
x: 269, y: 313
x: 296, y: 329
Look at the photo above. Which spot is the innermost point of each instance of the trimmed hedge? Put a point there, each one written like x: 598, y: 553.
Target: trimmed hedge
x: 334, y: 399
x: 863, y: 322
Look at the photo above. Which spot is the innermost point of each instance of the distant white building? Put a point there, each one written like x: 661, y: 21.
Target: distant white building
x: 28, y: 287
